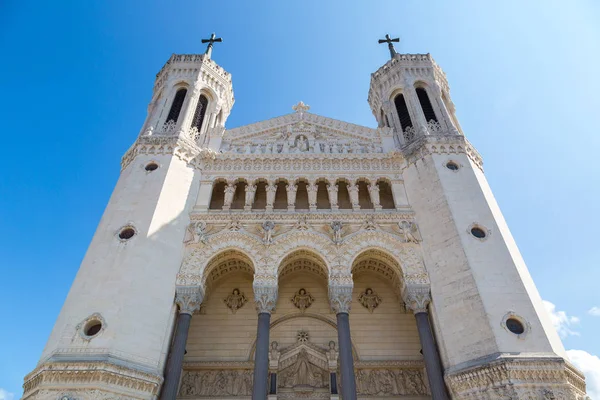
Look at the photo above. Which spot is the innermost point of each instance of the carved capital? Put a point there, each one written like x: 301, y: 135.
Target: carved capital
x: 340, y: 298
x: 188, y: 298
x: 265, y: 296
x: 417, y: 298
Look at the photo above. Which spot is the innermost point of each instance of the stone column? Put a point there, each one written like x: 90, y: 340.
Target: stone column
x: 312, y: 189
x: 188, y: 298
x: 340, y: 297
x: 374, y: 194
x: 229, y: 193
x: 332, y: 191
x: 441, y: 106
x: 419, y: 122
x: 249, y: 200
x: 189, y: 108
x: 271, y: 191
x: 265, y: 297
x: 292, y: 189
x: 417, y: 299
x: 353, y: 193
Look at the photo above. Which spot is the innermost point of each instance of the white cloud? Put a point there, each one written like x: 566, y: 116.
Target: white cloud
x: 4, y: 395
x: 590, y: 366
x: 595, y: 311
x: 561, y: 321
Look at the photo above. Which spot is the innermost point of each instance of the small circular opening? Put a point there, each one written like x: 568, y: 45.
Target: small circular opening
x: 515, y: 326
x: 126, y: 233
x: 92, y: 328
x: 478, y: 232
x: 452, y: 165
x: 151, y: 166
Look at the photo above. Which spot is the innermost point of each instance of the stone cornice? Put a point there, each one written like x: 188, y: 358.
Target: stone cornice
x: 180, y: 147
x: 224, y: 217
x: 441, y: 144
x: 125, y: 380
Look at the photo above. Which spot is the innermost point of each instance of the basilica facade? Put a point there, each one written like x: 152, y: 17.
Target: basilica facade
x: 303, y: 257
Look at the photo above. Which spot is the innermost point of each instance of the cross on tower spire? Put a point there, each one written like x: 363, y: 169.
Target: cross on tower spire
x: 389, y: 41
x: 210, y: 42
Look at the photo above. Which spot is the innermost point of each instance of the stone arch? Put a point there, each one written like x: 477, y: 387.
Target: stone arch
x: 223, y: 263
x: 407, y: 255
x: 316, y: 243
x: 304, y: 253
x: 192, y: 270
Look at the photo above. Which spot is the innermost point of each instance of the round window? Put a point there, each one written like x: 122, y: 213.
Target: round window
x: 92, y: 328
x: 126, y: 233
x: 452, y: 165
x: 515, y: 326
x: 151, y: 167
x: 478, y: 232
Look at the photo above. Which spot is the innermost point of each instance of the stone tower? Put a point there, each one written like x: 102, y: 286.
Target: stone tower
x: 377, y: 260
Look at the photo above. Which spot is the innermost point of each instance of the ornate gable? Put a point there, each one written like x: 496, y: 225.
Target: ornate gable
x: 301, y: 132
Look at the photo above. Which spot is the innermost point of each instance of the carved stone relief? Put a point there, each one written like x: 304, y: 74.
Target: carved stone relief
x: 302, y: 300
x: 216, y: 383
x: 303, y: 376
x: 369, y: 299
x: 389, y: 382
x: 235, y: 300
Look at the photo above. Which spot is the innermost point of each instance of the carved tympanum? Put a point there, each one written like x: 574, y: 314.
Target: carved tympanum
x: 369, y: 299
x: 303, y: 376
x: 235, y: 300
x: 302, y: 299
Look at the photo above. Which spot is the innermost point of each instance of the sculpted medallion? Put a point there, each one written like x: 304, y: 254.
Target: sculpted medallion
x: 235, y: 300
x: 302, y: 299
x: 369, y: 299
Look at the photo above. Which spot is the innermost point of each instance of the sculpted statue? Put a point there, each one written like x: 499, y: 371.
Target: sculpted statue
x: 291, y: 194
x: 302, y: 225
x: 369, y: 299
x: 312, y: 189
x: 303, y: 373
x: 274, y: 353
x: 370, y: 224
x: 250, y: 192
x: 271, y: 191
x: 374, y: 192
x: 302, y: 300
x: 409, y: 231
x: 229, y: 192
x: 196, y: 233
x: 336, y: 226
x: 302, y: 143
x: 234, y: 225
x: 235, y: 300
x: 353, y: 193
x: 332, y: 354
x: 333, y: 194
x: 268, y: 227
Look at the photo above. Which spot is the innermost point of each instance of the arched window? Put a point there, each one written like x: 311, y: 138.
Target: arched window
x: 218, y: 195
x: 322, y: 196
x: 302, y: 196
x: 260, y: 197
x: 426, y: 105
x: 200, y: 112
x: 386, y: 198
x: 280, y: 202
x: 239, y: 197
x: 364, y: 198
x: 176, y: 106
x: 344, y: 202
x: 402, y: 111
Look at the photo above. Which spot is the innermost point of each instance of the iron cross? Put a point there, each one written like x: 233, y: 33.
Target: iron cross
x: 210, y: 42
x: 390, y: 43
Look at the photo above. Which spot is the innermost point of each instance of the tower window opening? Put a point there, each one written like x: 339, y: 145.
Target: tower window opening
x: 426, y: 105
x: 402, y: 111
x: 200, y: 112
x: 176, y: 105
x: 515, y: 326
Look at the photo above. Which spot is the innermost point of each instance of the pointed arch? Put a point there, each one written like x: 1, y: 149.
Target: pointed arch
x: 200, y: 113
x: 177, y: 105
x: 426, y: 105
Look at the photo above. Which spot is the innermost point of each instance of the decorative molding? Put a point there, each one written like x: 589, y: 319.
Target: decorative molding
x: 189, y: 298
x: 518, y: 378
x: 123, y: 382
x: 391, y: 382
x: 80, y: 328
x: 417, y: 298
x: 217, y: 383
x: 340, y: 298
x: 265, y: 296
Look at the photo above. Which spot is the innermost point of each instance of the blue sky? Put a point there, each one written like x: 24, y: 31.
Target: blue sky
x: 77, y: 77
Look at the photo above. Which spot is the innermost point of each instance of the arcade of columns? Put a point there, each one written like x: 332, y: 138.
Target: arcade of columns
x: 338, y: 249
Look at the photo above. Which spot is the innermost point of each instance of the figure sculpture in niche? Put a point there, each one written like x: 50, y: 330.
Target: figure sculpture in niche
x: 369, y: 299
x: 302, y: 300
x: 268, y: 227
x: 235, y: 300
x: 301, y: 143
x: 302, y: 375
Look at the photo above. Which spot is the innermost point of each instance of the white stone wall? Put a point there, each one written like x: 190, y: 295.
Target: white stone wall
x: 475, y: 283
x: 131, y: 284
